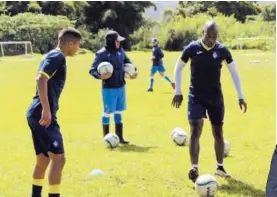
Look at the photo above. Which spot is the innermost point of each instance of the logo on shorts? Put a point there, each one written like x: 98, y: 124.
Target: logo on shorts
x: 55, y: 143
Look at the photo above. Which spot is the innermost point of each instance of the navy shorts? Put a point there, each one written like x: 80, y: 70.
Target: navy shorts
x: 271, y: 186
x: 46, y: 139
x: 198, y: 109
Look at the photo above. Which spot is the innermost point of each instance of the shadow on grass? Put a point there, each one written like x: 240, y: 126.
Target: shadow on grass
x: 241, y: 189
x: 134, y: 148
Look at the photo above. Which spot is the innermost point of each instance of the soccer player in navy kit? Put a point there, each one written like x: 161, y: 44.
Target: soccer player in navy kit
x: 157, y: 65
x: 205, y: 94
x: 41, y: 114
x: 113, y: 85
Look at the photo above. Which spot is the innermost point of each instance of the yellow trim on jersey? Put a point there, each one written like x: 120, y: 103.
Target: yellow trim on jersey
x: 205, y: 46
x: 38, y: 182
x: 54, y: 189
x: 45, y: 74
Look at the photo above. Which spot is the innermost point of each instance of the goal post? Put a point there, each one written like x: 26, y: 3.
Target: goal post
x: 16, y: 48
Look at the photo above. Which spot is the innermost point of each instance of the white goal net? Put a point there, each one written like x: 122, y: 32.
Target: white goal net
x: 16, y: 49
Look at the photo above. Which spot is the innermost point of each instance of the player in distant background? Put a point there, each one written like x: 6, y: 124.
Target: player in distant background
x: 41, y: 114
x: 205, y: 93
x: 113, y: 85
x: 158, y: 65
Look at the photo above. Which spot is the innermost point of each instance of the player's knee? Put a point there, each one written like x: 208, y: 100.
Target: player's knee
x: 196, y: 128
x: 58, y: 161
x: 217, y: 132
x: 162, y: 74
x: 42, y: 163
x: 62, y: 161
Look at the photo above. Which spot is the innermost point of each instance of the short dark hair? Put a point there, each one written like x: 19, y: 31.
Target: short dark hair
x: 210, y: 25
x: 69, y: 34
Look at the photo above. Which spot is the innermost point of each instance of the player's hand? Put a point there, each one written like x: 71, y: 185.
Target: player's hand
x: 153, y: 58
x: 177, y: 101
x: 134, y: 76
x: 243, y: 105
x: 46, y: 118
x: 106, y: 76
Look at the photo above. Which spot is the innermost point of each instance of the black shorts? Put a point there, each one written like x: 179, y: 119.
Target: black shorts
x: 199, y: 108
x: 271, y: 186
x: 46, y: 139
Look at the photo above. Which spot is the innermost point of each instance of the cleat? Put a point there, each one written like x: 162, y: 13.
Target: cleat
x: 193, y: 174
x: 220, y: 171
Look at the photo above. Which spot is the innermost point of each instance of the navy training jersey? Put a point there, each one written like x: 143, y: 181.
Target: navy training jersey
x: 53, y: 66
x: 206, y: 64
x: 117, y: 58
x: 158, y: 54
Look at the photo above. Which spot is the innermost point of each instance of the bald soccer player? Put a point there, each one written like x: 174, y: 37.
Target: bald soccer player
x: 205, y: 93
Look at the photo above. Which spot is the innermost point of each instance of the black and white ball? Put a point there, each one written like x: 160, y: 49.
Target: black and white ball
x: 179, y: 136
x: 105, y: 67
x: 111, y: 140
x: 206, y: 185
x: 227, y: 148
x: 130, y: 70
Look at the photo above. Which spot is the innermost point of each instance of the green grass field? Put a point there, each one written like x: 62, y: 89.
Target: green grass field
x: 152, y: 166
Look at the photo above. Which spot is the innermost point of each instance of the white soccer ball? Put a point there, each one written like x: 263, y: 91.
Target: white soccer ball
x: 105, y: 67
x: 206, y: 185
x: 179, y: 136
x: 111, y: 140
x: 129, y: 70
x: 227, y: 148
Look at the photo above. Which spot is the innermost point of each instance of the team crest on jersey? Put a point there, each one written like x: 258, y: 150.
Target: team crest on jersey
x: 55, y: 144
x: 214, y: 55
x: 118, y: 53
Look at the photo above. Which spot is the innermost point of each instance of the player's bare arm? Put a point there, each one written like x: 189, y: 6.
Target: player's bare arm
x: 42, y: 87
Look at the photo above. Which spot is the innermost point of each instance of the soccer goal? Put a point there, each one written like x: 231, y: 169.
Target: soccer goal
x: 13, y: 49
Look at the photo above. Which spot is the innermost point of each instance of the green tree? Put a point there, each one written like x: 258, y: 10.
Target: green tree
x: 3, y: 7
x: 240, y: 9
x: 41, y: 30
x: 269, y: 12
x: 34, y: 7
x: 15, y: 7
x: 124, y: 17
